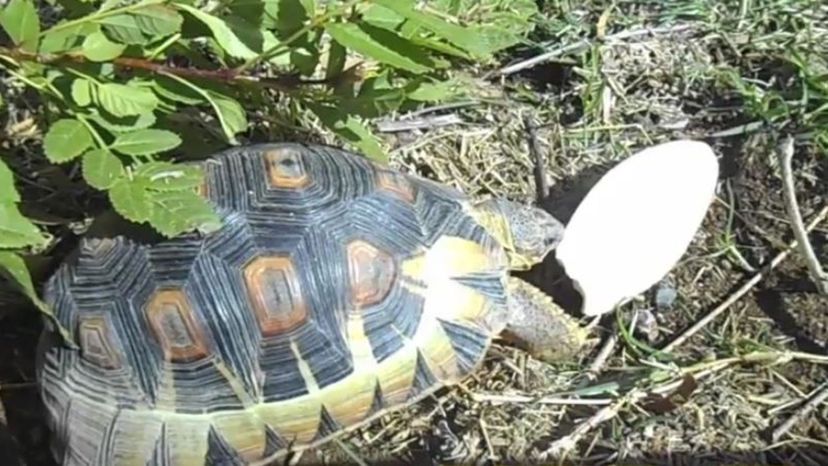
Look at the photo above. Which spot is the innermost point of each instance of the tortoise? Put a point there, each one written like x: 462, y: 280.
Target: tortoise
x: 336, y: 290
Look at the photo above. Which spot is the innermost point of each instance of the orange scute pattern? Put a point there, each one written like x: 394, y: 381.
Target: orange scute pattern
x: 172, y: 321
x: 275, y: 293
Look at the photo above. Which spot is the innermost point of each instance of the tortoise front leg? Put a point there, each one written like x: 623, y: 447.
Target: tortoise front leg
x: 539, y: 326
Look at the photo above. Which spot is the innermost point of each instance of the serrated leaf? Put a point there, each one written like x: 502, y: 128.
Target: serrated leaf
x: 81, y: 92
x: 167, y: 176
x: 177, y: 92
x: 499, y: 24
x: 178, y: 211
x: 66, y: 139
x: 309, y: 6
x: 383, y: 17
x: 8, y: 192
x: 262, y: 13
x: 122, y: 124
x: 221, y: 32
x: 460, y: 36
x: 63, y: 39
x: 101, y: 168
x: 143, y: 25
x: 351, y: 129
x: 351, y: 36
x: 21, y: 23
x: 122, y: 101
x: 145, y: 142
x: 229, y: 112
x: 17, y: 231
x: 131, y: 199
x: 96, y: 47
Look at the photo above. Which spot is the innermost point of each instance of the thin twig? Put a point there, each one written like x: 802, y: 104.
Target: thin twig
x: 785, y: 152
x: 541, y: 185
x: 225, y: 75
x: 583, y: 44
x: 408, y: 124
x: 603, y: 356
x: 546, y: 400
x: 803, y: 412
x: 744, y: 288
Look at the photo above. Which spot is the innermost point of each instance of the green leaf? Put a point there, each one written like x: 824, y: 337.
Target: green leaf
x: 17, y: 231
x: 177, y: 92
x: 262, y: 13
x: 352, y: 36
x: 351, y: 129
x: 499, y: 24
x: 336, y: 60
x: 230, y: 113
x: 101, y: 168
x: 309, y: 6
x: 383, y: 17
x: 122, y: 101
x: 15, y: 267
x: 122, y: 124
x: 221, y: 32
x: 434, y: 92
x: 143, y: 25
x: 81, y: 92
x: 96, y: 47
x: 175, y: 212
x: 21, y: 23
x: 167, y: 176
x: 66, y: 139
x: 460, y: 36
x: 131, y: 199
x: 8, y: 192
x: 63, y: 39
x: 146, y: 142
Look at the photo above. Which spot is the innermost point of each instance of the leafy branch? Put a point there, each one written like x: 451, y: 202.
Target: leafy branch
x: 116, y: 77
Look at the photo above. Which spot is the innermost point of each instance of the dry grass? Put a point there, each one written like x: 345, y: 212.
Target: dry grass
x: 717, y: 397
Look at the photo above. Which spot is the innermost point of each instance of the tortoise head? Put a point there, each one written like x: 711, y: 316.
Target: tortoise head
x: 526, y: 232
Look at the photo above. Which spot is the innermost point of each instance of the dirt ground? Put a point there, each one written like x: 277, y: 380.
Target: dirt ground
x: 715, y: 398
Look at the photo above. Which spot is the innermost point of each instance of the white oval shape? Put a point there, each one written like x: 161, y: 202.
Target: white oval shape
x: 635, y: 224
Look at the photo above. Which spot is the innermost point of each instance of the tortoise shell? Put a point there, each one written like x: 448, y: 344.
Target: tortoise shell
x: 335, y: 291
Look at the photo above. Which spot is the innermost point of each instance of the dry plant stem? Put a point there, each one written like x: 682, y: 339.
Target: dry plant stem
x: 603, y: 356
x: 584, y: 44
x: 541, y: 186
x: 744, y: 288
x: 425, y: 122
x: 230, y: 76
x: 785, y: 153
x: 803, y: 412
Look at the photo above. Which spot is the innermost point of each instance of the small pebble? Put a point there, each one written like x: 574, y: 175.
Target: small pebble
x: 665, y: 295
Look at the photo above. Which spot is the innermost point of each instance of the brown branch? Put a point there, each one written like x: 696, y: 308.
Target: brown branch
x: 225, y: 75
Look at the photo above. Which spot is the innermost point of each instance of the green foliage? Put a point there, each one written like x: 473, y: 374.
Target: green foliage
x: 117, y: 79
